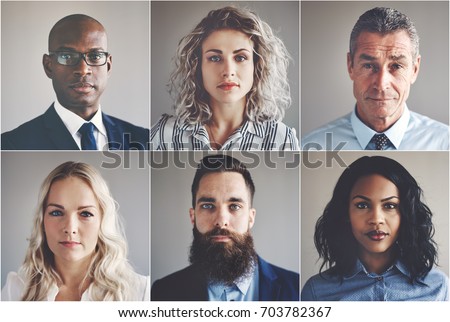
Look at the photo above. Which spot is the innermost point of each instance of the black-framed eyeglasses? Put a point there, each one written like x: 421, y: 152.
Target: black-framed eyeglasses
x: 72, y: 58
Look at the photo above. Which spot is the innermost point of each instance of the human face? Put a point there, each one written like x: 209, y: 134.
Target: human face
x: 382, y: 72
x: 78, y: 87
x: 71, y: 220
x: 223, y: 201
x: 374, y: 215
x: 227, y: 67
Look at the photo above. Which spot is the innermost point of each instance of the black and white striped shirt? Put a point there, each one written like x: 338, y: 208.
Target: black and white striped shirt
x: 169, y: 134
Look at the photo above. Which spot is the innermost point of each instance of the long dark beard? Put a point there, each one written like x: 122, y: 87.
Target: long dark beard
x: 223, y: 262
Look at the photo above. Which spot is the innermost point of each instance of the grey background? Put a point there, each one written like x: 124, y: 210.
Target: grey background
x: 276, y: 229
x: 173, y: 20
x: 326, y: 88
x: 430, y: 171
x: 26, y: 90
x: 22, y: 176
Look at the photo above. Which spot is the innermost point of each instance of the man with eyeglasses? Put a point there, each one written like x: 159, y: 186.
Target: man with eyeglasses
x: 79, y: 65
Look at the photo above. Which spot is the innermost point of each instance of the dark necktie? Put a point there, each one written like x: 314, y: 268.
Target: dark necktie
x: 87, y: 137
x: 381, y: 141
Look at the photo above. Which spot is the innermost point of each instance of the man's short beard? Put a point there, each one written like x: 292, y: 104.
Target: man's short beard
x: 223, y: 262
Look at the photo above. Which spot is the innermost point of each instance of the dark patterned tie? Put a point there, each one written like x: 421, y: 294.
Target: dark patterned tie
x: 87, y: 137
x: 381, y: 141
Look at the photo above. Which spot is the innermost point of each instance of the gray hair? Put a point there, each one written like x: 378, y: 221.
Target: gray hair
x: 384, y: 21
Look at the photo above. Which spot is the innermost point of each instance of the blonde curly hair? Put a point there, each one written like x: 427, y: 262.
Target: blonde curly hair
x: 270, y: 93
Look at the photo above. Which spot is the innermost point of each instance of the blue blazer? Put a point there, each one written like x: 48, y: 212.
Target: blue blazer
x: 188, y: 284
x: 48, y: 132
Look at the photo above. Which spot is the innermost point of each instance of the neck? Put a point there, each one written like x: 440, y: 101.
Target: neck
x: 85, y: 112
x: 72, y: 273
x: 226, y: 118
x: 380, y: 124
x: 377, y: 263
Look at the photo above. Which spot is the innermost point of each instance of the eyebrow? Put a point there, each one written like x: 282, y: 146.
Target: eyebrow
x: 210, y: 199
x: 62, y: 207
x: 218, y: 51
x: 63, y: 48
x: 368, y: 199
x: 391, y: 57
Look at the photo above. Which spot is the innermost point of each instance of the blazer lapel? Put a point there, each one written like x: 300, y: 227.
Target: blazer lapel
x: 57, y: 132
x: 115, y: 141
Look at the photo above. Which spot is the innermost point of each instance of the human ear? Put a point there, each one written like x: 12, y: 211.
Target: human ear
x: 47, y: 64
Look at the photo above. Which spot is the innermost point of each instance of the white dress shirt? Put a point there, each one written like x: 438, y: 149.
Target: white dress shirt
x: 73, y: 122
x: 412, y: 131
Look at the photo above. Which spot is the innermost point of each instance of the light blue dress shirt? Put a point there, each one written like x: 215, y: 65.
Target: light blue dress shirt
x: 411, y: 132
x: 246, y: 289
x: 392, y: 285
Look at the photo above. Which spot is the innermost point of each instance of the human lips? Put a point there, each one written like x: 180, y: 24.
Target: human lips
x: 220, y: 238
x: 377, y: 235
x: 82, y: 87
x: 226, y: 86
x: 69, y: 243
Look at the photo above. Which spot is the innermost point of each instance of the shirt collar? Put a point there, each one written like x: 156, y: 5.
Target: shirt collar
x: 199, y: 129
x: 243, y: 284
x: 73, y: 122
x: 395, y: 133
x: 398, y: 265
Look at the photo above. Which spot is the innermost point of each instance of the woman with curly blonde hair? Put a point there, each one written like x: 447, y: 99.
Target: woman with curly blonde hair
x: 77, y: 250
x: 231, y: 88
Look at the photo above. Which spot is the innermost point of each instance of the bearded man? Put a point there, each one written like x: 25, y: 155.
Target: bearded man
x: 224, y: 263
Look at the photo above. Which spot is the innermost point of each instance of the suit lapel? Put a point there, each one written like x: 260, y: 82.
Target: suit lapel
x: 57, y: 132
x: 269, y: 288
x: 115, y: 141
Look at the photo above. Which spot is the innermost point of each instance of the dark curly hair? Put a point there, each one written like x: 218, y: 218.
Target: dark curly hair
x: 333, y: 236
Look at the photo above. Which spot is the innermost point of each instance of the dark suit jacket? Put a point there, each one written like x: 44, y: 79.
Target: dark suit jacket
x: 48, y: 132
x: 275, y: 284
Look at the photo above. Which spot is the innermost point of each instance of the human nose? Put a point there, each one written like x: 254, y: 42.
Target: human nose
x: 222, y: 218
x: 82, y: 68
x: 70, y: 226
x: 382, y: 79
x: 229, y: 68
x: 376, y: 216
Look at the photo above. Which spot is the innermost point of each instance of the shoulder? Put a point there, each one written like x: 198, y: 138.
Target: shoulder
x: 14, y: 288
x: 124, y: 125
x: 341, y: 126
x: 281, y: 273
x: 24, y: 135
x: 169, y: 131
x: 287, y: 281
x: 424, y: 133
x: 436, y: 276
x: 319, y: 284
x: 143, y: 288
x: 276, y: 135
x: 185, y: 284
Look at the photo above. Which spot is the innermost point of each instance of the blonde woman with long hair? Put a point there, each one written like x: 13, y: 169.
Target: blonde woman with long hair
x: 77, y: 250
x: 230, y: 86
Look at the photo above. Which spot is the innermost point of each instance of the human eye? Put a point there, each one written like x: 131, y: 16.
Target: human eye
x: 235, y: 207
x: 361, y: 205
x: 95, y: 56
x: 396, y: 66
x: 55, y: 213
x: 368, y: 66
x: 240, y: 58
x: 214, y: 58
x: 86, y: 214
x: 207, y: 206
x: 390, y: 205
x: 65, y: 55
